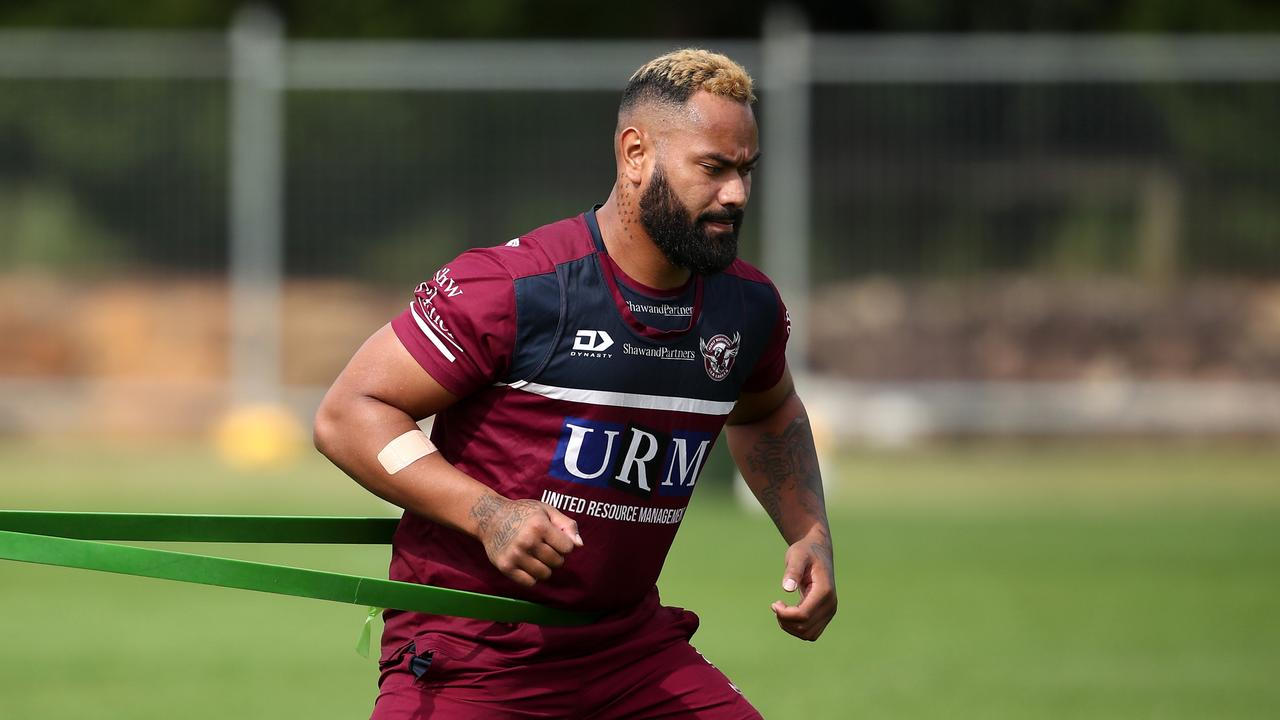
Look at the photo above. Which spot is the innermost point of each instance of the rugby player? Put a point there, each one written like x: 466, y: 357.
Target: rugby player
x: 578, y: 376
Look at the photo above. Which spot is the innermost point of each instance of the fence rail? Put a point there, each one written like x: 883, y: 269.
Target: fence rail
x: 879, y: 149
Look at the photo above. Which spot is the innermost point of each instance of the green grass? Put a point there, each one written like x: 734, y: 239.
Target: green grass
x: 1065, y: 581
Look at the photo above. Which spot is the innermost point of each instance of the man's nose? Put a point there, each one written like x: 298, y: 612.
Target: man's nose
x: 733, y: 193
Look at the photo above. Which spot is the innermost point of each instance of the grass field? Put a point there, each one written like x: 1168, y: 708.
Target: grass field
x: 1062, y: 581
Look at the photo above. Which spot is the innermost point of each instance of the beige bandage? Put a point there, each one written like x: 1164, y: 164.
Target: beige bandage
x: 404, y: 450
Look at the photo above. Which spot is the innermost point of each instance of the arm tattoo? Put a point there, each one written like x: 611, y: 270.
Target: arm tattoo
x: 824, y: 552
x: 484, y: 510
x: 788, y: 463
x: 498, y: 520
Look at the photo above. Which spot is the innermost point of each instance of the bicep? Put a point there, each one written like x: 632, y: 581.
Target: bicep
x: 753, y: 406
x: 383, y: 370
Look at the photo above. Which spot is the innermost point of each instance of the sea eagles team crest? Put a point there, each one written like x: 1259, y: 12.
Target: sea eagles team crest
x: 718, y: 354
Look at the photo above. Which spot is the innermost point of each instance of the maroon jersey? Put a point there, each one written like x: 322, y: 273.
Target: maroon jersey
x: 571, y: 398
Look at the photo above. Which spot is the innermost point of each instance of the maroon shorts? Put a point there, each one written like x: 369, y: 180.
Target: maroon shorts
x: 650, y: 671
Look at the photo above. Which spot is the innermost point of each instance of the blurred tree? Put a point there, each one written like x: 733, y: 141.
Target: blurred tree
x: 117, y: 178
x: 659, y: 18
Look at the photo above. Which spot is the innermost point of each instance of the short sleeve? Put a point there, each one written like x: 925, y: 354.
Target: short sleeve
x: 773, y: 361
x: 460, y: 325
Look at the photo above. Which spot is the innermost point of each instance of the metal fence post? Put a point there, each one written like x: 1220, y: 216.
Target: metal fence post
x: 256, y: 248
x: 787, y: 49
x: 786, y: 80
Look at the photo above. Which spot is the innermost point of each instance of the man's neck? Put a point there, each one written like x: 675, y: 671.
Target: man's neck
x: 631, y: 247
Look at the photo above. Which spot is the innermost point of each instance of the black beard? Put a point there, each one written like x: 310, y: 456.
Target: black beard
x: 685, y: 241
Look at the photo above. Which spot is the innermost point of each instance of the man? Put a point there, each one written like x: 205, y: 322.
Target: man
x: 578, y: 376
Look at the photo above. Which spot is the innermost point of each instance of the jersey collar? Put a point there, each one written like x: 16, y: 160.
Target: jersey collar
x: 611, y: 281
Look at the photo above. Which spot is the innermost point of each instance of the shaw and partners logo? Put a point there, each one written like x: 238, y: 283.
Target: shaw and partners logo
x: 630, y: 458
x: 440, y: 288
x: 664, y: 310
x: 661, y: 353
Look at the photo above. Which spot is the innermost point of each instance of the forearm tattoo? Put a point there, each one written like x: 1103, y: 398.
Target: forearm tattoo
x: 824, y: 552
x: 788, y: 464
x: 498, y: 519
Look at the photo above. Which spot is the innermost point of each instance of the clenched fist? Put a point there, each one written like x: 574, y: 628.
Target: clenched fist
x: 524, y: 539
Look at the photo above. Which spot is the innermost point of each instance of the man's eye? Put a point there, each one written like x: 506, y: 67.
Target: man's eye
x: 711, y: 169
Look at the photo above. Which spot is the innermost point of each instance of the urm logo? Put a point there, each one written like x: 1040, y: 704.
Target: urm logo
x: 630, y: 458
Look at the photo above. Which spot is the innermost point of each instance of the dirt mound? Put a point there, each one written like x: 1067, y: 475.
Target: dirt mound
x: 1024, y: 329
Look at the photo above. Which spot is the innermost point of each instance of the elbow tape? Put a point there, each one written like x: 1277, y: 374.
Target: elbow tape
x: 404, y: 451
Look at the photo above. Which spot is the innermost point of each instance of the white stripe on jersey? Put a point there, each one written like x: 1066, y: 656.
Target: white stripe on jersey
x: 629, y: 400
x: 431, y: 335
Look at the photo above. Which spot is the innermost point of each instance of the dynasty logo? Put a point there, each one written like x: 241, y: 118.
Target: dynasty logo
x: 591, y: 343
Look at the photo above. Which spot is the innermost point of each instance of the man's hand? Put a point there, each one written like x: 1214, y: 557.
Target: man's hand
x: 811, y: 570
x: 772, y: 443
x: 525, y: 539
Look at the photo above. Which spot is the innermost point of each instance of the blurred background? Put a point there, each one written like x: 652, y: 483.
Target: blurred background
x: 1032, y: 257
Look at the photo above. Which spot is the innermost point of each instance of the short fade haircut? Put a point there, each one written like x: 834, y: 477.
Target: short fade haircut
x: 673, y: 78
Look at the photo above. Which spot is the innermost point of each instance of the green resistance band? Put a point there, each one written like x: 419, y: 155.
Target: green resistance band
x: 69, y: 539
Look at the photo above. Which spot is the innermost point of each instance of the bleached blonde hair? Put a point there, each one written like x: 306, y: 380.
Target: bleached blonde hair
x: 673, y: 78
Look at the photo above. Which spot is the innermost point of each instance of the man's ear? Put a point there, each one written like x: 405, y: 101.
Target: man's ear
x: 633, y: 148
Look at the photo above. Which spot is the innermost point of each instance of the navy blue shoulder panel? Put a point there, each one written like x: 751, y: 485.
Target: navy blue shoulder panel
x: 571, y: 333
x: 759, y: 299
x: 733, y: 302
x: 539, y: 306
